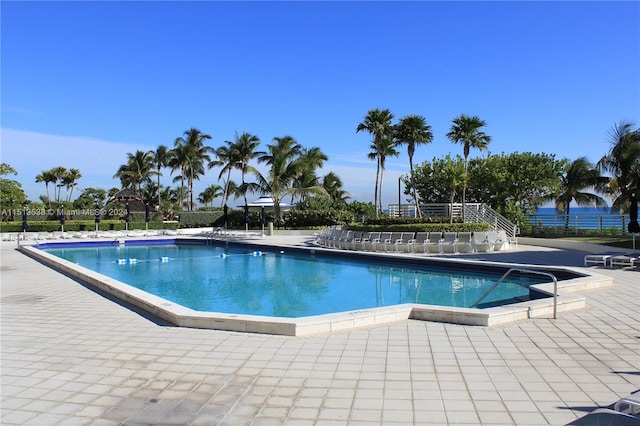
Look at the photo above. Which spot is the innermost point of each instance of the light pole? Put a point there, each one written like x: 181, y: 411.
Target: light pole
x: 399, y: 205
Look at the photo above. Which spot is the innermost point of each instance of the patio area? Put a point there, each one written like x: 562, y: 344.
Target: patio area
x: 71, y: 356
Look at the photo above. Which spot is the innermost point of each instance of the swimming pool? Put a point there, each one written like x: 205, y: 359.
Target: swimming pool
x: 238, y: 280
x: 143, y: 258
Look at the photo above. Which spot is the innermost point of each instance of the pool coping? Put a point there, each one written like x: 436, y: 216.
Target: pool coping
x: 304, y: 326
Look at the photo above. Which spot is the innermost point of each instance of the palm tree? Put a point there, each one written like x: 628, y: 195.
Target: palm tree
x: 245, y: 150
x: 136, y: 171
x: 579, y: 175
x: 378, y: 124
x: 47, y: 177
x: 623, y: 162
x: 333, y: 185
x: 58, y: 175
x: 191, y: 154
x: 70, y: 181
x: 466, y: 130
x: 226, y: 158
x: 385, y: 148
x: 285, y: 166
x: 161, y: 157
x: 310, y: 159
x: 455, y: 177
x: 413, y: 130
x: 209, y: 194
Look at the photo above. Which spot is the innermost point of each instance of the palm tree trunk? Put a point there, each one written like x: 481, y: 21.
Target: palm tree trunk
x: 158, y: 186
x: 413, y: 187
x: 380, y: 188
x: 46, y: 184
x: 464, y: 190
x: 375, y: 192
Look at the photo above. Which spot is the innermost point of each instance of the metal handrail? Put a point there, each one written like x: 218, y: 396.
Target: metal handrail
x: 526, y: 271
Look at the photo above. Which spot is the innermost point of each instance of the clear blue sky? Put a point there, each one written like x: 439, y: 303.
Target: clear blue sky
x: 83, y: 83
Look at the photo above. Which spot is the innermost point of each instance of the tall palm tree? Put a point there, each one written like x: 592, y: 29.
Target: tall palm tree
x: 377, y: 123
x: 136, y: 171
x: 386, y: 147
x: 226, y: 159
x: 47, y: 177
x: 58, y: 175
x: 413, y: 130
x: 192, y: 155
x: 623, y: 162
x: 69, y: 181
x: 579, y: 175
x: 245, y: 147
x: 161, y: 157
x: 466, y: 130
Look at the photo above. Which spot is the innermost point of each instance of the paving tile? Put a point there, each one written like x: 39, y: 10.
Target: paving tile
x: 82, y: 359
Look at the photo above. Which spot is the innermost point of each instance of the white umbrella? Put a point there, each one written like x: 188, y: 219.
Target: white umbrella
x: 267, y: 202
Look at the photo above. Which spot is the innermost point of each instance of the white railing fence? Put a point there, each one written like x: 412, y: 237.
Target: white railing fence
x: 473, y: 213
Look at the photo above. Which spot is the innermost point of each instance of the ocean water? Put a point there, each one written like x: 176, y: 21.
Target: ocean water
x: 592, y: 218
x: 577, y: 210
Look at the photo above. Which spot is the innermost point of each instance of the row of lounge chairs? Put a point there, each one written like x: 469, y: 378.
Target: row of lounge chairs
x: 59, y: 235
x: 413, y: 242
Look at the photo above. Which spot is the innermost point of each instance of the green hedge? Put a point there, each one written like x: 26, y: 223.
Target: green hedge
x: 83, y: 225
x: 201, y: 219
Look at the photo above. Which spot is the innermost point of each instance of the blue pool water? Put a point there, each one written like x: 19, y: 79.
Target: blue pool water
x: 272, y: 283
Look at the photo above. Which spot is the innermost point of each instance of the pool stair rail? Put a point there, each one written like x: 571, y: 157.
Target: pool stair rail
x: 524, y: 271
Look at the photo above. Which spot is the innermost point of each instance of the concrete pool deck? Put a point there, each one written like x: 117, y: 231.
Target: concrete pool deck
x: 72, y: 356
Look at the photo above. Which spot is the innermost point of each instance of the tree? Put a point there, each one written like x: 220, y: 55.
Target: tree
x: 69, y: 182
x: 454, y: 177
x: 623, y: 162
x: 161, y: 157
x: 466, y: 130
x: 515, y: 185
x: 245, y: 150
x: 136, y: 171
x: 377, y: 123
x: 284, y: 164
x: 190, y: 154
x: 89, y: 197
x: 47, y: 177
x: 333, y: 185
x: 386, y: 147
x: 59, y: 174
x: 413, y: 130
x: 310, y: 159
x: 210, y: 193
x: 579, y: 175
x: 12, y: 197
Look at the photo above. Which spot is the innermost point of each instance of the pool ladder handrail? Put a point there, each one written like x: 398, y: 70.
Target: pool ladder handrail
x: 526, y: 271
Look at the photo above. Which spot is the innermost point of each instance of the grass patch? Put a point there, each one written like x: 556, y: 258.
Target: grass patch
x: 619, y: 242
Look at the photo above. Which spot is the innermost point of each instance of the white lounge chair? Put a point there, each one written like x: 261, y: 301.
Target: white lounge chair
x: 464, y: 243
x: 369, y: 243
x: 403, y: 242
x: 625, y: 260
x: 391, y: 241
x: 448, y: 243
x: 600, y: 259
x: 481, y: 243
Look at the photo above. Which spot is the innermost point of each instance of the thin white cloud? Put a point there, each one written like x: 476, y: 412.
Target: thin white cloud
x: 32, y: 152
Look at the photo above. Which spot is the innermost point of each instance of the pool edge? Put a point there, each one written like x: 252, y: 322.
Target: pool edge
x: 327, y: 323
